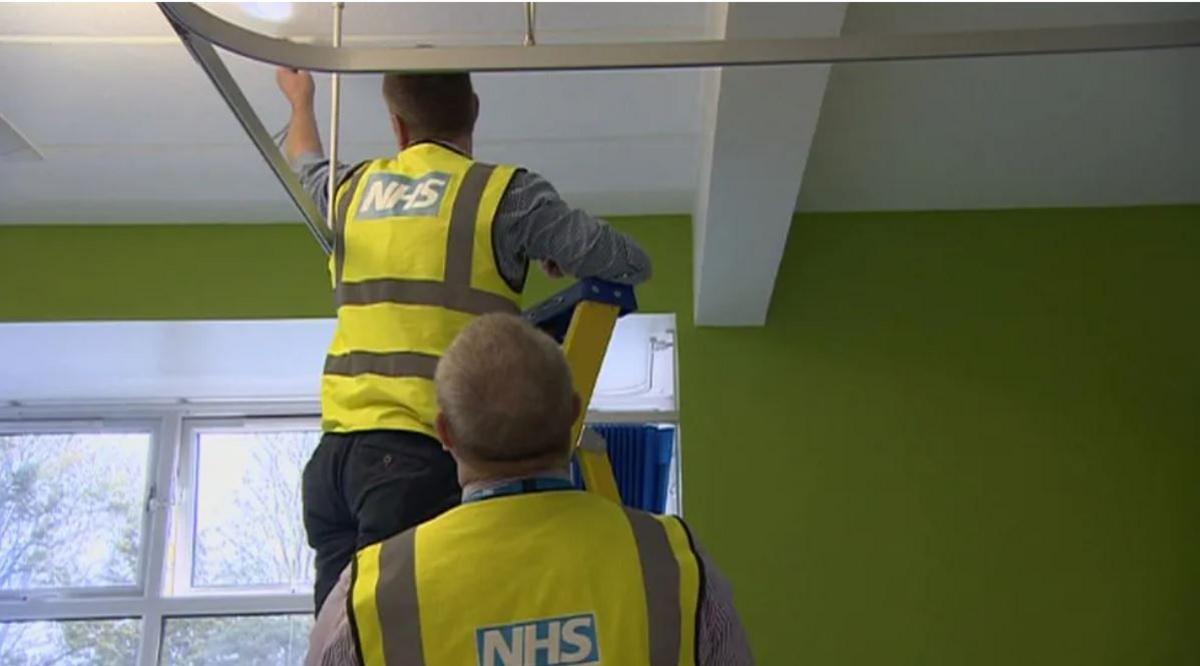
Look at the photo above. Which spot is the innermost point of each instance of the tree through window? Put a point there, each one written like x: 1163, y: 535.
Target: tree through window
x: 71, y: 509
x: 248, y: 525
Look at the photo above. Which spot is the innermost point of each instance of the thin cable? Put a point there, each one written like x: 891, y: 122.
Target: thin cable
x: 335, y: 99
x: 530, y: 23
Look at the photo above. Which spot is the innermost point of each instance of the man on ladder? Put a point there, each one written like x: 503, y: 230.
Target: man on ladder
x: 425, y: 241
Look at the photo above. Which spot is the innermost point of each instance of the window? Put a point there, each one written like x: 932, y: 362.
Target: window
x: 71, y: 508
x: 245, y: 524
x: 263, y: 640
x: 69, y: 643
x: 171, y: 538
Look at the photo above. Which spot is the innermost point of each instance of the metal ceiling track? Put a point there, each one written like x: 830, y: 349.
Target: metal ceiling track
x: 200, y: 31
x: 206, y: 56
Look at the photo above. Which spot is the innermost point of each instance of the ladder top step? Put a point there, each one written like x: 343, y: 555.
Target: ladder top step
x: 553, y: 315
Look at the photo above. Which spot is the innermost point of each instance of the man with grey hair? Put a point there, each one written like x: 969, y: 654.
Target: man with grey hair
x: 528, y: 570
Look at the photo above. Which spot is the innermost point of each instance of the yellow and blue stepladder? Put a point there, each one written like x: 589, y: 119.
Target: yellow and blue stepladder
x: 582, y: 318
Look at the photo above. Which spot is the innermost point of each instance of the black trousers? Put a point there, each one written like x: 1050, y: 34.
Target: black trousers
x: 361, y: 488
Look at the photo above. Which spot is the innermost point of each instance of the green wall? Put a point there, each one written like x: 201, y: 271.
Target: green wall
x: 161, y: 272
x: 229, y: 271
x: 962, y: 438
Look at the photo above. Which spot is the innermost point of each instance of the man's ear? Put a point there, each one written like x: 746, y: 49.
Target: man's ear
x: 400, y: 129
x: 442, y: 424
x: 576, y: 407
x: 475, y: 110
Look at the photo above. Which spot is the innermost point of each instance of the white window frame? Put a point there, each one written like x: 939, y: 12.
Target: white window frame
x: 87, y: 427
x: 188, y: 489
x: 147, y: 601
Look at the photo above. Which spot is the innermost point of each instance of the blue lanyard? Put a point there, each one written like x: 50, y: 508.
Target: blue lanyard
x: 534, y: 485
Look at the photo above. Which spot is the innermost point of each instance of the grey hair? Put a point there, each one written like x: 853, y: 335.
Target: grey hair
x: 504, y: 387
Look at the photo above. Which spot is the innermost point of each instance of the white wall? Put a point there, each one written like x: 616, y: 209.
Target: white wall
x: 276, y: 359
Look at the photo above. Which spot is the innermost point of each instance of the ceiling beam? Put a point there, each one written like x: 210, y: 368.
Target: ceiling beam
x: 758, y: 129
x: 733, y: 50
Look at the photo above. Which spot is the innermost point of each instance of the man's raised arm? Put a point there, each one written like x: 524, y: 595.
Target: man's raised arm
x: 302, y: 134
x: 302, y: 146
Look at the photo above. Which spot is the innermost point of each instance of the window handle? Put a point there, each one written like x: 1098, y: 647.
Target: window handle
x: 154, y: 502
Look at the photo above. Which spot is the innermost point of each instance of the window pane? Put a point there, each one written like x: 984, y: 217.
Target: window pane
x: 72, y: 643
x: 71, y: 509
x: 263, y: 640
x: 249, y: 529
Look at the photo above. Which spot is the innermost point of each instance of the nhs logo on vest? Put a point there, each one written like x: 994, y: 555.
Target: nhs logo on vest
x: 393, y: 195
x: 550, y: 642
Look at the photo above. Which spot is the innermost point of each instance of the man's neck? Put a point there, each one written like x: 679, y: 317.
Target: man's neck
x: 460, y: 145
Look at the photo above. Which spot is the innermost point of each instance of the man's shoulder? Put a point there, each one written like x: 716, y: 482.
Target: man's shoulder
x: 527, y: 188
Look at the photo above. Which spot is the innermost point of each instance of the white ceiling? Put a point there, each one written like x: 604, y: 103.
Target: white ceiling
x: 131, y: 131
x: 1042, y: 131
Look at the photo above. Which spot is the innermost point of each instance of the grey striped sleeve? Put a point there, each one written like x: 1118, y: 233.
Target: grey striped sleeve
x: 331, y: 641
x: 723, y: 640
x: 313, y: 171
x: 534, y: 223
x: 340, y: 651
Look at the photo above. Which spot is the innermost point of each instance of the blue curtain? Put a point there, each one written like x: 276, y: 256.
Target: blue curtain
x: 641, y: 462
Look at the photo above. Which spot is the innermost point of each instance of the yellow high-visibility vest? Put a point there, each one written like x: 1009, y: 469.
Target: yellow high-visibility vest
x: 412, y: 265
x: 545, y: 578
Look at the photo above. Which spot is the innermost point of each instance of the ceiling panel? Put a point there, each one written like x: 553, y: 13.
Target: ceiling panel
x: 445, y: 24
x: 133, y: 131
x: 107, y: 94
x: 953, y: 16
x: 398, y: 23
x: 1077, y: 130
x: 107, y: 19
x: 543, y: 105
x: 229, y: 182
x: 94, y: 94
x: 140, y: 134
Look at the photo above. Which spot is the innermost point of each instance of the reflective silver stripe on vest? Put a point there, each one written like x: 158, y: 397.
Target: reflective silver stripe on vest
x: 460, y: 245
x: 339, y: 220
x: 396, y: 364
x: 423, y: 292
x: 396, y: 601
x: 660, y: 575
